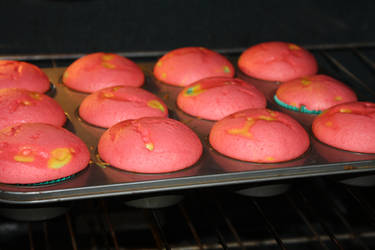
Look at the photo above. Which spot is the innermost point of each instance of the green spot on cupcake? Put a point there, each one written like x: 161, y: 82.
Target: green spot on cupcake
x: 226, y: 69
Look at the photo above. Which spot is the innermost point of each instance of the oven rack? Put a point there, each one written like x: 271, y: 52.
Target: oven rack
x: 314, y: 214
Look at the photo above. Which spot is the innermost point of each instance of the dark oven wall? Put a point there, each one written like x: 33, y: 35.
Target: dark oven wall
x: 68, y: 26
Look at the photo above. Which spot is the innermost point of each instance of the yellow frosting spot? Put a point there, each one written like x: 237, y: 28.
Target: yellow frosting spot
x: 26, y: 103
x: 156, y: 105
x: 266, y: 118
x: 226, y: 69
x: 345, y: 111
x: 159, y: 64
x: 338, y: 98
x: 244, y: 131
x: 107, y: 57
x: 164, y: 75
x: 273, y: 114
x: 114, y: 89
x: 108, y: 95
x: 65, y: 75
x: 35, y: 96
x: 305, y: 82
x: 194, y: 90
x: 292, y: 46
x: 20, y: 68
x: 23, y: 158
x: 59, y: 157
x: 108, y: 65
x: 150, y: 146
x: 329, y: 124
x: 270, y: 158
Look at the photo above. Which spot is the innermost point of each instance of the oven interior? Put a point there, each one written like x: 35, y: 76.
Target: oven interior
x: 314, y: 213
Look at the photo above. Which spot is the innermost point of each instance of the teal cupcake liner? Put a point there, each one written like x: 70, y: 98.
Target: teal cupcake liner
x: 47, y: 182
x: 302, y: 109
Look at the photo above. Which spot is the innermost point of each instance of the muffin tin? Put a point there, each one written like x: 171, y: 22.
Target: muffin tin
x: 213, y: 169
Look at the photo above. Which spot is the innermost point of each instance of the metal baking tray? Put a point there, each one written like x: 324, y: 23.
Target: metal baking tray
x: 213, y: 169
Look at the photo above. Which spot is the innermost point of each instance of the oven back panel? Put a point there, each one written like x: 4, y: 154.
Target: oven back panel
x: 83, y: 26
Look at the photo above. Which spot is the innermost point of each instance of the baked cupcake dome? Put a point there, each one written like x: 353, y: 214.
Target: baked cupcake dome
x: 183, y: 66
x: 29, y: 155
x: 101, y: 70
x: 22, y: 106
x: 150, y: 145
x: 277, y: 61
x: 15, y: 74
x: 259, y: 135
x: 348, y: 126
x: 216, y: 97
x: 109, y: 106
x: 313, y: 94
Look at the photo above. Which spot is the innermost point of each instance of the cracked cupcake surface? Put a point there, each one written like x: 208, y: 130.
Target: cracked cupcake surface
x: 313, y: 94
x: 183, y: 66
x: 348, y: 126
x: 101, y: 70
x: 259, y: 135
x: 15, y: 74
x: 109, y: 106
x: 21, y: 106
x: 277, y: 61
x: 150, y: 145
x: 216, y: 97
x: 36, y: 152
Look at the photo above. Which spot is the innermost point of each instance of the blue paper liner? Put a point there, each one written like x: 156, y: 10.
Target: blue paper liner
x: 302, y: 109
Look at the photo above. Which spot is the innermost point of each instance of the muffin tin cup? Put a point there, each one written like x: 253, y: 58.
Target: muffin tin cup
x: 100, y: 180
x: 31, y: 213
x: 265, y: 190
x: 155, y: 202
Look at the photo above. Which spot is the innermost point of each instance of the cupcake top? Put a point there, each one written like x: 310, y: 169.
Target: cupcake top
x: 109, y: 106
x: 15, y: 74
x: 21, y: 106
x: 101, y: 70
x: 28, y: 155
x: 259, y: 135
x: 277, y: 61
x: 348, y: 126
x: 183, y: 66
x: 216, y: 97
x: 150, y: 145
x: 313, y: 94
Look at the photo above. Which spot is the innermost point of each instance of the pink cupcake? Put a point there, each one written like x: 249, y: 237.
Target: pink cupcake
x: 313, y: 94
x: 348, y: 126
x: 109, y: 106
x: 216, y: 97
x: 14, y: 74
x: 150, y: 145
x: 181, y: 67
x: 277, y: 61
x: 29, y: 155
x: 21, y: 106
x: 259, y: 135
x: 102, y: 70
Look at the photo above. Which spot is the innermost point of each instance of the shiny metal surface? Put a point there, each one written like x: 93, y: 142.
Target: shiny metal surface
x: 213, y: 169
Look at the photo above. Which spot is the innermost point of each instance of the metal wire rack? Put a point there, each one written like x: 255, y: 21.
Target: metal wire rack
x: 314, y: 214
